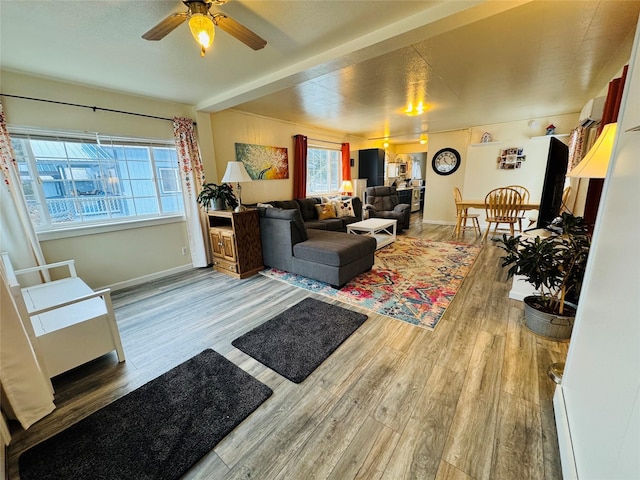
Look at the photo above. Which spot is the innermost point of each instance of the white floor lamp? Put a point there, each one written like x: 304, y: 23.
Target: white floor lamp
x: 594, y: 165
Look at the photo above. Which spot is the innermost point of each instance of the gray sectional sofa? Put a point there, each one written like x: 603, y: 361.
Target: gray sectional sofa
x: 328, y: 256
x: 307, y: 208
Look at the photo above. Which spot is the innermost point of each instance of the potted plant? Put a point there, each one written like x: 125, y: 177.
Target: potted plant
x: 218, y: 197
x: 555, y: 266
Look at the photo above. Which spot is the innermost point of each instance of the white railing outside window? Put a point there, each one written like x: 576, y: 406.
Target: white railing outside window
x: 324, y: 170
x: 71, y: 180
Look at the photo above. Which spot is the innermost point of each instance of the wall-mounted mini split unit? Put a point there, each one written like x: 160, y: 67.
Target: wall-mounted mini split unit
x: 592, y: 112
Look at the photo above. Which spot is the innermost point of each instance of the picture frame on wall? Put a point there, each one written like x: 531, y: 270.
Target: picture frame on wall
x: 263, y: 162
x: 511, y: 158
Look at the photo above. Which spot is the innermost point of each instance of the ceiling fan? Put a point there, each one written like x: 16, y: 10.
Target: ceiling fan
x: 201, y: 24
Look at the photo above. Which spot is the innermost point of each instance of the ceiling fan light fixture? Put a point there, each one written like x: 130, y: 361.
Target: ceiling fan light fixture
x: 202, y: 29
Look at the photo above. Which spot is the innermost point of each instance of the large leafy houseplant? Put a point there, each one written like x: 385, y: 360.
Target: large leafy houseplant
x: 212, y: 192
x: 555, y: 265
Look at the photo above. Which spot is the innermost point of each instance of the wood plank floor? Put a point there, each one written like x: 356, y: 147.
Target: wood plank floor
x: 470, y: 400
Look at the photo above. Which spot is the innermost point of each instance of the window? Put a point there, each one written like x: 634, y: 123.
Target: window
x: 324, y: 170
x: 71, y: 181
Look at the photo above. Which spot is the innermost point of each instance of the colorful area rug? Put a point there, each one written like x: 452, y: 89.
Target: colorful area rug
x: 413, y: 280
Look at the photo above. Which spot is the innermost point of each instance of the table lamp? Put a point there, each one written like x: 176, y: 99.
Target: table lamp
x: 236, y: 173
x: 346, y: 188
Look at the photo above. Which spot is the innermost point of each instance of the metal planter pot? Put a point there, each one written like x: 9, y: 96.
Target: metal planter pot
x: 217, y: 204
x: 556, y: 327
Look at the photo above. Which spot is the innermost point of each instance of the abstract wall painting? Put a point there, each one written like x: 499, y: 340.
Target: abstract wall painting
x: 263, y: 162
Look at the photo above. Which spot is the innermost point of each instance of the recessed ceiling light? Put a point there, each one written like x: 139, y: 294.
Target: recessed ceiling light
x: 412, y: 112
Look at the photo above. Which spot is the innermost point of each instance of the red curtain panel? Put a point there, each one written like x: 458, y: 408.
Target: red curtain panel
x: 299, y: 166
x: 346, y: 162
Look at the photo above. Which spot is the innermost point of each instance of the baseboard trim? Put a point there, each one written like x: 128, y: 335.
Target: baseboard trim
x: 453, y: 224
x: 438, y: 222
x: 148, y: 278
x: 565, y: 444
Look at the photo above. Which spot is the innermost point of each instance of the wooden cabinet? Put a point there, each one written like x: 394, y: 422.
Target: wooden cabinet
x: 371, y: 166
x: 235, y: 242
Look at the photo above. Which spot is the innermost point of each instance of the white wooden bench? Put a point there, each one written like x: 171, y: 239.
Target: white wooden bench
x: 67, y: 322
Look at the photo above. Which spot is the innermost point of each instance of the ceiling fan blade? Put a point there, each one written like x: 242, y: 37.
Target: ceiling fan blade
x: 242, y: 33
x: 165, y: 27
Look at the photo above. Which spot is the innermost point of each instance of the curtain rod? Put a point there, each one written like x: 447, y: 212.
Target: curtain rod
x: 323, y: 141
x: 94, y: 108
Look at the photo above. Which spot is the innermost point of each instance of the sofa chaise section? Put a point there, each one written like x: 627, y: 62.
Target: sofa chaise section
x: 327, y: 256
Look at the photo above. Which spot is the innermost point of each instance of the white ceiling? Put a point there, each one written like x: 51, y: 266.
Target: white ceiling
x: 348, y: 66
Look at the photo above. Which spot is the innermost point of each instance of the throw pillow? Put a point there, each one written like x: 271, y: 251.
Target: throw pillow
x: 331, y: 199
x: 325, y: 210
x: 264, y: 205
x: 344, y: 208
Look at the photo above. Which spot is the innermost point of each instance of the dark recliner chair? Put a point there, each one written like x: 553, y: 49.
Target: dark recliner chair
x: 383, y: 202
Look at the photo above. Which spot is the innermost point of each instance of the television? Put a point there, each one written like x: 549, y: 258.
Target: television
x: 554, y: 177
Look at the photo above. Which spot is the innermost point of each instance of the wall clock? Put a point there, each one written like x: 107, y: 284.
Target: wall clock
x: 446, y: 161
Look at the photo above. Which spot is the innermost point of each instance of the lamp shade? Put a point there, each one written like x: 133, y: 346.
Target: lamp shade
x: 346, y: 187
x: 596, y: 161
x: 236, y: 173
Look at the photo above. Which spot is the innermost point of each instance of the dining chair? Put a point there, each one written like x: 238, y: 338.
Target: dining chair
x: 502, y: 205
x: 565, y: 199
x: 524, y: 193
x: 463, y: 215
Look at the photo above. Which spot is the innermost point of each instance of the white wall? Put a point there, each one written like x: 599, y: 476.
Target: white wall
x: 119, y: 257
x: 230, y: 127
x: 479, y: 173
x: 109, y: 258
x: 600, y: 391
x: 438, y: 200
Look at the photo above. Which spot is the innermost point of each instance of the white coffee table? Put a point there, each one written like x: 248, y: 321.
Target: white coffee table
x: 382, y: 229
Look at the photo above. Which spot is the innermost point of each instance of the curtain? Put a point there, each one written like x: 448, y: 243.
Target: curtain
x: 12, y: 180
x: 613, y: 100
x: 346, y: 162
x: 192, y: 176
x: 26, y: 392
x: 609, y: 115
x: 576, y: 146
x: 299, y: 166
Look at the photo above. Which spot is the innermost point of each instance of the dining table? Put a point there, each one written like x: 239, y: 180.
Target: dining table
x: 465, y: 205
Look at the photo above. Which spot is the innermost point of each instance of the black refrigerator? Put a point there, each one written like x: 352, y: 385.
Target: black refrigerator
x: 371, y: 166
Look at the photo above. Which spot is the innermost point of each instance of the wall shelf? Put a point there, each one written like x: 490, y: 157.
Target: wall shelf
x: 483, y: 144
x: 557, y: 135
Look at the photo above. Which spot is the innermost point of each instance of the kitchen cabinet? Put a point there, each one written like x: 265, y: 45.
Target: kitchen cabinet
x: 371, y: 166
x: 404, y: 195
